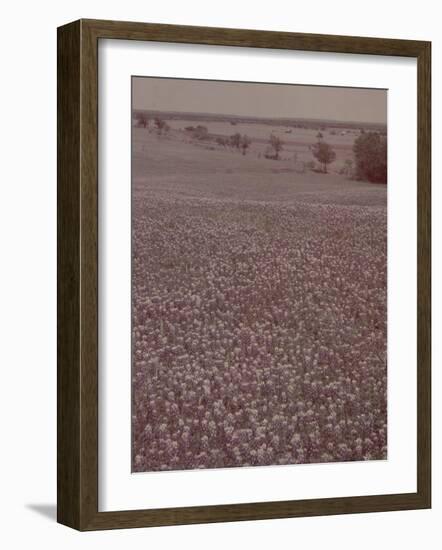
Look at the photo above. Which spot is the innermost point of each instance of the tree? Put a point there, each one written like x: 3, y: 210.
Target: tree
x: 142, y: 119
x: 324, y: 154
x: 370, y: 151
x: 160, y: 125
x: 245, y: 143
x: 235, y: 140
x: 200, y: 132
x: 348, y: 169
x: 276, y: 144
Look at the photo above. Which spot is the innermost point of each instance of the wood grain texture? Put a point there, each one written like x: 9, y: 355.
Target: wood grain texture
x: 68, y: 275
x: 424, y: 275
x: 252, y: 38
x: 78, y: 274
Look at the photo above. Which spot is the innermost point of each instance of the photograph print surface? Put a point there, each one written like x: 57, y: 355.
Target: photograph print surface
x: 259, y: 274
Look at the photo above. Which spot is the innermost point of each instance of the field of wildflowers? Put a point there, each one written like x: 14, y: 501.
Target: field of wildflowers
x: 259, y: 329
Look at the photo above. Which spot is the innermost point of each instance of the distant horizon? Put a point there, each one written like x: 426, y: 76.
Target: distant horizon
x: 260, y: 100
x: 257, y: 117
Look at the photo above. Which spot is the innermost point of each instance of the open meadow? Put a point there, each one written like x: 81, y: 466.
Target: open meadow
x: 259, y: 295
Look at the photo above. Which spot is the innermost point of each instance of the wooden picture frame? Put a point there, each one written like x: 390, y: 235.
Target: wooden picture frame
x: 77, y: 225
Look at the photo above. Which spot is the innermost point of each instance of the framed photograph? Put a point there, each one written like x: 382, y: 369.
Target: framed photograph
x: 243, y: 275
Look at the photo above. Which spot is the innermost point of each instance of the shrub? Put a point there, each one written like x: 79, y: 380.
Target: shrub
x: 160, y: 125
x: 276, y: 145
x: 142, y: 120
x: 245, y: 143
x: 347, y: 169
x: 200, y: 132
x: 235, y: 140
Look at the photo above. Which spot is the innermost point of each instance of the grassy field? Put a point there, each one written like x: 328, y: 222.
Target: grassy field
x: 259, y: 304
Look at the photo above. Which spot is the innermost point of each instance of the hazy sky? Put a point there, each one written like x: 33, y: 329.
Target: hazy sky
x: 261, y: 100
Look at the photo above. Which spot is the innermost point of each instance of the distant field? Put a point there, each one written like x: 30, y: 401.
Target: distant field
x: 259, y: 303
x: 297, y: 141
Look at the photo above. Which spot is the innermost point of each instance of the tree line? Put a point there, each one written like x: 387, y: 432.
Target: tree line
x: 369, y: 149
x: 370, y: 155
